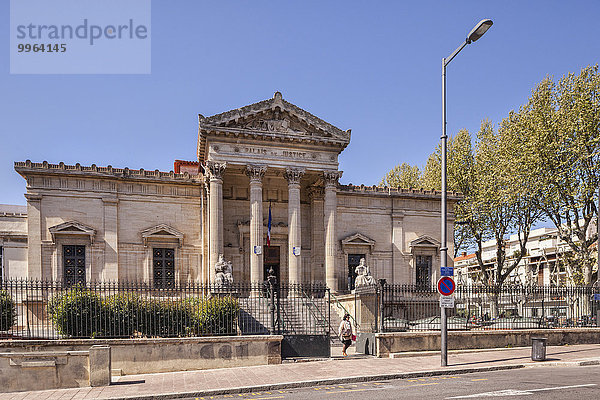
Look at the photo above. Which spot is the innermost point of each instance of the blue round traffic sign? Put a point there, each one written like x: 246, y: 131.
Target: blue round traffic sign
x: 446, y: 286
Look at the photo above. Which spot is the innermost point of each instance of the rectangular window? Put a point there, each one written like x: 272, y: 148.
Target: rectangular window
x: 163, y: 261
x: 74, y: 265
x: 1, y: 264
x: 423, y: 272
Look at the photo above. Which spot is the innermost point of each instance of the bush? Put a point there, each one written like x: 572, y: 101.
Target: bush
x: 164, y: 318
x: 8, y: 311
x: 80, y: 313
x: 123, y: 315
x: 77, y: 313
x: 217, y: 316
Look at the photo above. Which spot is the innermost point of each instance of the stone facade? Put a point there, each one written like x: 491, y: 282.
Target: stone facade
x: 267, y: 158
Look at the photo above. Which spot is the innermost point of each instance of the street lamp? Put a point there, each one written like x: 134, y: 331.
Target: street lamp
x: 478, y: 31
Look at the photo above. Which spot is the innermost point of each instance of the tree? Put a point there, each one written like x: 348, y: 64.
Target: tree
x: 460, y: 178
x: 402, y: 176
x: 561, y: 127
x: 503, y: 203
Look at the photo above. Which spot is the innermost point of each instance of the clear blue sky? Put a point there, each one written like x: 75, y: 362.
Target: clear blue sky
x: 373, y: 67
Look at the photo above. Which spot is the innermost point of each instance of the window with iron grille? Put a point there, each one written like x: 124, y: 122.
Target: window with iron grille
x: 164, y: 267
x: 74, y: 264
x: 423, y: 271
x: 1, y: 264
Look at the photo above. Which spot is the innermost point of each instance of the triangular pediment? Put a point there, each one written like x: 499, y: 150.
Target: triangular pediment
x: 162, y: 232
x: 358, y: 239
x: 425, y: 241
x: 72, y: 228
x: 272, y: 119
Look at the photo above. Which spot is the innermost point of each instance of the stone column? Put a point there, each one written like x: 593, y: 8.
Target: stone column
x: 293, y: 176
x: 215, y: 214
x: 329, y: 212
x: 256, y: 173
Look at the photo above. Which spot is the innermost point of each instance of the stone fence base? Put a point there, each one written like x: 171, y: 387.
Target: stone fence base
x: 143, y: 356
x: 397, y: 342
x: 41, y: 370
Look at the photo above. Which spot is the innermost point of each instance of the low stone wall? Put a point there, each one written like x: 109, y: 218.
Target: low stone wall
x: 24, y: 371
x: 142, y: 356
x: 397, y: 342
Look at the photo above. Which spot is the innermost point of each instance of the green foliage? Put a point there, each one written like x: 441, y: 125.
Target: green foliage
x: 542, y: 161
x: 122, y: 315
x: 8, y: 311
x: 217, y: 315
x: 402, y: 176
x: 82, y: 314
x: 77, y: 313
x: 560, y: 129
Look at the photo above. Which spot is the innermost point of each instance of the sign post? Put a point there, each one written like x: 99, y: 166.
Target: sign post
x: 445, y: 288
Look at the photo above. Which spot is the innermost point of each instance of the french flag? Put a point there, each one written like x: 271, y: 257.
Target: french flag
x: 269, y: 228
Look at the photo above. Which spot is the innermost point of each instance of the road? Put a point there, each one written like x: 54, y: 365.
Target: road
x: 531, y: 383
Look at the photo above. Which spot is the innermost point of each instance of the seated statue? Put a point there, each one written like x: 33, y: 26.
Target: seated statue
x: 363, y: 276
x: 223, y: 272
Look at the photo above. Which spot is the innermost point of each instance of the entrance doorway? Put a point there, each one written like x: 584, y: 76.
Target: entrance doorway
x: 271, y: 260
x: 353, y: 261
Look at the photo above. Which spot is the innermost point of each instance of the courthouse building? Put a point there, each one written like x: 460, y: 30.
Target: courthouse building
x: 93, y: 223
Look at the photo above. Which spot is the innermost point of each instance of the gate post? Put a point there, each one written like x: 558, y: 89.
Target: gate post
x: 380, y: 302
x: 272, y: 281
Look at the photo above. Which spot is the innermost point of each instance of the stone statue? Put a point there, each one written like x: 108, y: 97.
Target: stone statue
x: 363, y: 276
x: 223, y: 272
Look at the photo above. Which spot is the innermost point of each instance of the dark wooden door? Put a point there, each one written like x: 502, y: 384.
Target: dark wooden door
x: 271, y: 259
x: 353, y: 261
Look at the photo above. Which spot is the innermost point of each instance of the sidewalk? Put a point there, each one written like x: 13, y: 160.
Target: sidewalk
x: 355, y: 368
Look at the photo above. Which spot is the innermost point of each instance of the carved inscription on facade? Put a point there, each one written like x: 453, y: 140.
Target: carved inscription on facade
x: 276, y: 152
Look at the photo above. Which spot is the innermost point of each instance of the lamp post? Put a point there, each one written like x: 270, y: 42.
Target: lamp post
x: 477, y: 32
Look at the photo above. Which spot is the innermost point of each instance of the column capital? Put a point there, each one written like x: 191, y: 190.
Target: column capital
x: 315, y: 192
x: 215, y: 169
x: 293, y: 175
x: 331, y: 177
x: 256, y: 172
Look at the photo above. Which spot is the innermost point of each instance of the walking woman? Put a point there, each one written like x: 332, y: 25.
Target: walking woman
x: 345, y: 333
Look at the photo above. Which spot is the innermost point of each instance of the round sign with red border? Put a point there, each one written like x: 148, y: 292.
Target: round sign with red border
x: 446, y: 286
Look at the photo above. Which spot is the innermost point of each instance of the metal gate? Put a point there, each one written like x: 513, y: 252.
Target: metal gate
x: 301, y: 313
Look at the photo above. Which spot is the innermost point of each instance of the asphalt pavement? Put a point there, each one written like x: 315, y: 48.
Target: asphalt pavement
x: 568, y: 382
x: 376, y: 377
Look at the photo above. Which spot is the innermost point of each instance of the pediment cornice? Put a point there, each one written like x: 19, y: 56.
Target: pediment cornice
x: 72, y: 228
x: 270, y: 120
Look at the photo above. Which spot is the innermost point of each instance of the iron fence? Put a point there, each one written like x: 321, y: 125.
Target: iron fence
x: 32, y: 309
x: 413, y: 308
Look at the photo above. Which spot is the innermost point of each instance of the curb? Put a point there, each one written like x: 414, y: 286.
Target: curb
x: 319, y: 382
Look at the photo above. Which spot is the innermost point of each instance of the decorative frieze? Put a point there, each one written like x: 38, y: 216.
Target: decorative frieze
x: 26, y: 167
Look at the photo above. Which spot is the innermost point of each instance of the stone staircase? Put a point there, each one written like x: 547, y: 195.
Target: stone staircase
x: 299, y: 315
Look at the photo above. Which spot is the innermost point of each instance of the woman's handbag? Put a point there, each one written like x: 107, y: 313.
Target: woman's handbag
x: 354, y: 338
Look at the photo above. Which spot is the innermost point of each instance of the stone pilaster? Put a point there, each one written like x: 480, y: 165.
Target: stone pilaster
x: 329, y: 213
x: 110, y: 272
x: 317, y: 250
x: 293, y: 176
x: 256, y: 173
x: 34, y: 236
x: 215, y: 172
